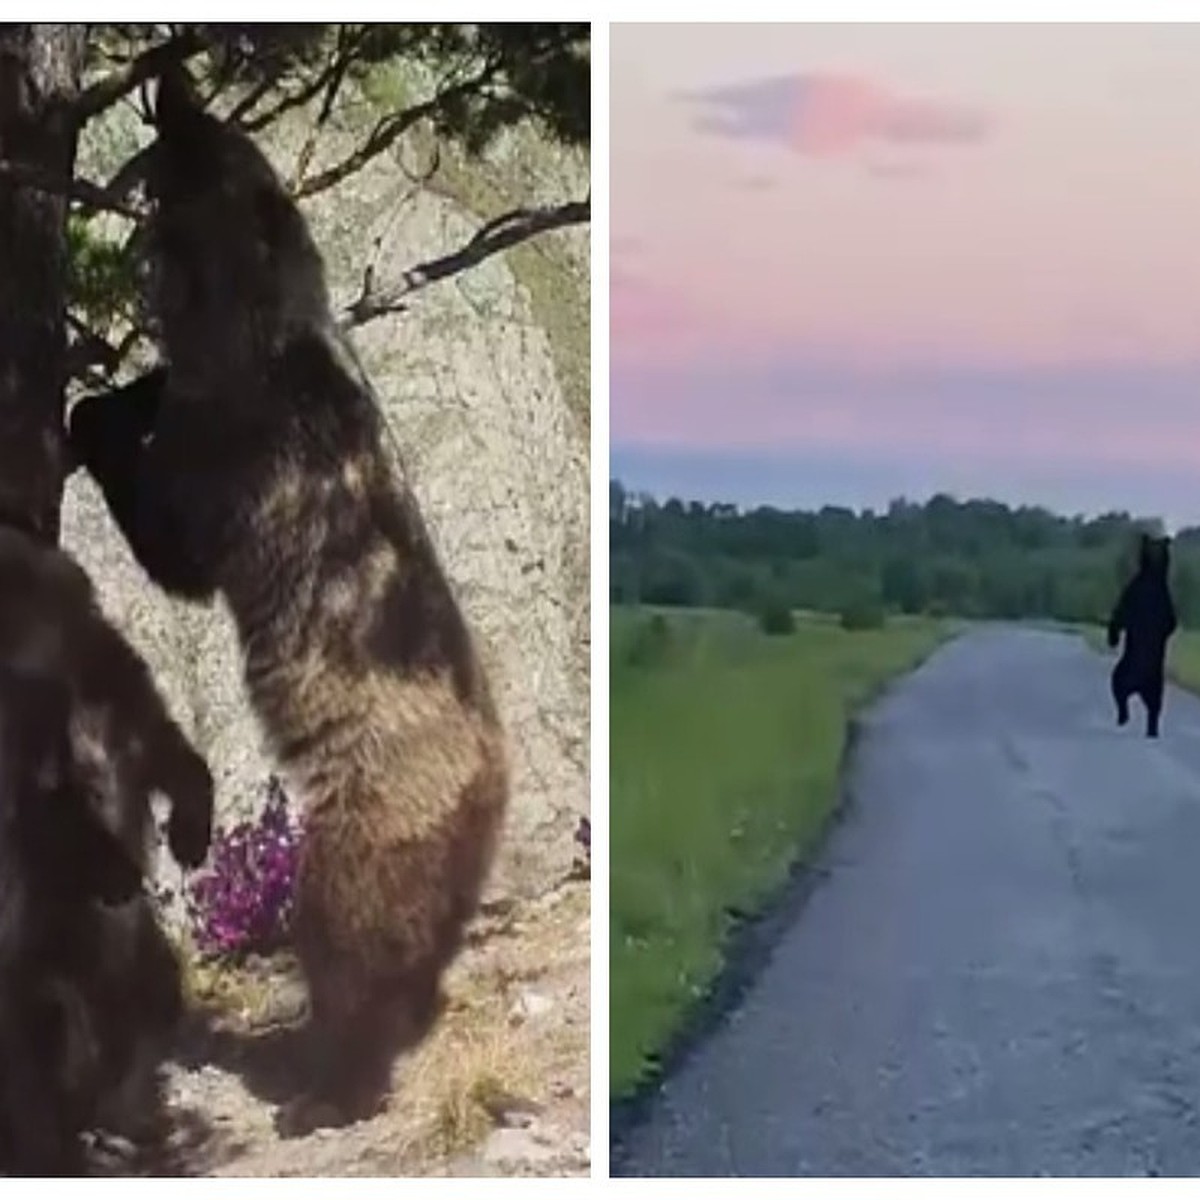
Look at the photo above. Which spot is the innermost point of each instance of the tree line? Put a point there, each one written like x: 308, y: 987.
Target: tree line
x: 945, y: 557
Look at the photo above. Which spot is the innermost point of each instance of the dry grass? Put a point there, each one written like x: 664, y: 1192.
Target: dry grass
x: 460, y: 1082
x: 510, y: 1049
x: 229, y: 991
x: 489, y: 1058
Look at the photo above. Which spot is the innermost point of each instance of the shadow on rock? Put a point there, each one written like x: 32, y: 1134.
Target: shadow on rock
x: 186, y: 1143
x: 273, y: 1062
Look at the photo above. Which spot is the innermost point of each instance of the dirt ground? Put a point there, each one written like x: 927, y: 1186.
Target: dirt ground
x: 500, y: 1087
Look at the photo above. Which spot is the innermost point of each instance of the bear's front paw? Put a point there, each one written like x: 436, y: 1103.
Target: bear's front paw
x: 190, y: 826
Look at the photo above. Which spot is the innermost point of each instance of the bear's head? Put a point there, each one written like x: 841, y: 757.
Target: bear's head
x: 233, y: 270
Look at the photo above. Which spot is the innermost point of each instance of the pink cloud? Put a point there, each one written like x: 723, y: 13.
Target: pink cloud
x: 824, y: 114
x: 642, y: 312
x: 660, y: 327
x: 653, y: 323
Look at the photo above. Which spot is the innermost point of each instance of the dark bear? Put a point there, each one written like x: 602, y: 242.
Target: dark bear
x: 254, y: 465
x: 116, y: 981
x: 57, y: 860
x: 1145, y: 614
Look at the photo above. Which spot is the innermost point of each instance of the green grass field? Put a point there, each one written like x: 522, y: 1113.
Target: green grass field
x: 725, y: 751
x: 1183, y: 654
x: 1183, y: 659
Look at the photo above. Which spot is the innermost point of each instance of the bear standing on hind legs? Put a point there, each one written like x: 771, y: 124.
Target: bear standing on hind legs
x: 90, y: 989
x: 1146, y: 615
x: 253, y: 464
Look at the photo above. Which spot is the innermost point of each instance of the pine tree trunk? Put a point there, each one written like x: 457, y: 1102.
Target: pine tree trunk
x: 40, y: 69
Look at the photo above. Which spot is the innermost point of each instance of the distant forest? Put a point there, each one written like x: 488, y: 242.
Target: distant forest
x: 946, y: 557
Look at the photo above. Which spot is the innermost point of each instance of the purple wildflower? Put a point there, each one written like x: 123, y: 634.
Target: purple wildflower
x: 242, y: 901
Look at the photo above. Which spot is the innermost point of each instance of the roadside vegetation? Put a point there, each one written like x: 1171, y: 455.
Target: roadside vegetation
x: 727, y: 731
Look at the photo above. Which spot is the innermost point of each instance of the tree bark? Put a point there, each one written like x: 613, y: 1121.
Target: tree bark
x: 40, y: 71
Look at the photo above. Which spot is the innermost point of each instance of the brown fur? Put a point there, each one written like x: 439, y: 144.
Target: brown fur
x: 101, y: 992
x: 264, y: 478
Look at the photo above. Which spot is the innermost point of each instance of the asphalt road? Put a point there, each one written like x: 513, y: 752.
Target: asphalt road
x: 1000, y: 972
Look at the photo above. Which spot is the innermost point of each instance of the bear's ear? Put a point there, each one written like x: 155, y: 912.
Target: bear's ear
x: 175, y: 105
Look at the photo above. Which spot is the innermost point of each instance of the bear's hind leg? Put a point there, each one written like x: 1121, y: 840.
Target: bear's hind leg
x: 1120, y: 693
x: 349, y: 1054
x: 1152, y: 696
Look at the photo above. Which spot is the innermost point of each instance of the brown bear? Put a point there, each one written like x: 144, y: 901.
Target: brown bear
x: 254, y: 465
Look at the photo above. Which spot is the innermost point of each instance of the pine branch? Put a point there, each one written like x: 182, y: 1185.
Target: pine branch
x: 502, y: 233
x: 107, y: 91
x: 90, y: 197
x: 389, y: 129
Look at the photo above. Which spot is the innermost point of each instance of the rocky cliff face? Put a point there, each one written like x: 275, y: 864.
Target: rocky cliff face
x: 485, y: 384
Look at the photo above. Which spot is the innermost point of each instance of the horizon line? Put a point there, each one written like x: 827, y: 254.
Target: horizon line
x: 861, y: 511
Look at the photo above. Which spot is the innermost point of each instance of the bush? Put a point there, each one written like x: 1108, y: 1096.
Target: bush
x: 651, y: 643
x: 243, y: 902
x: 775, y: 619
x: 862, y: 614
